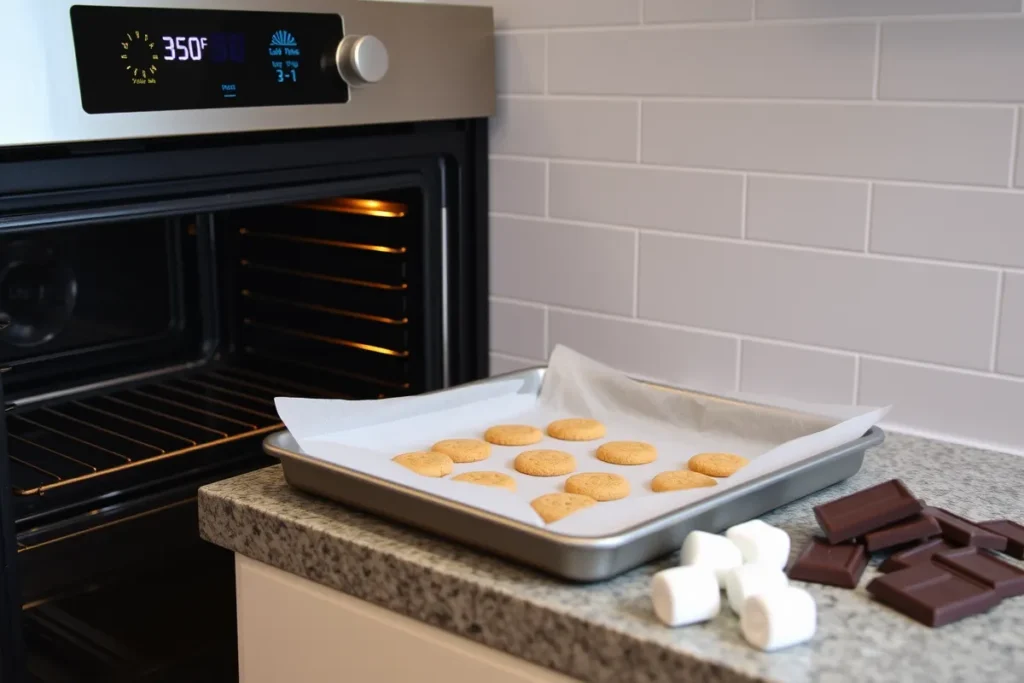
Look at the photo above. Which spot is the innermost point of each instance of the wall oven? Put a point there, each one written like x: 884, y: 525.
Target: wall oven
x: 205, y: 204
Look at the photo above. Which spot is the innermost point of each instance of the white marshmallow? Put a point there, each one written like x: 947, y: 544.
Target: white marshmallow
x: 713, y: 551
x: 779, y: 618
x: 760, y: 542
x: 685, y: 595
x: 751, y: 579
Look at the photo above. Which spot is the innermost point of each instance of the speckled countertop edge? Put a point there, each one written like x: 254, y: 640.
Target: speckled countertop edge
x: 606, y: 632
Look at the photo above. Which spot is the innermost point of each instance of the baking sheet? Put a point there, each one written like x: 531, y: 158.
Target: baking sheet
x: 365, y: 435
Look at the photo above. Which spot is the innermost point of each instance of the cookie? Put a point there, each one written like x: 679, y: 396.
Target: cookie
x: 463, y: 450
x: 576, y: 429
x: 498, y: 479
x: 679, y: 480
x: 627, y: 452
x: 717, y: 464
x: 513, y: 435
x: 429, y: 464
x: 554, y: 506
x: 600, y: 486
x: 545, y: 463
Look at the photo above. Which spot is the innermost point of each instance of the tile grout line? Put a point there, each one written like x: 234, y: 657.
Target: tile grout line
x: 867, y: 219
x: 547, y: 188
x: 753, y: 10
x: 744, y: 198
x: 782, y: 246
x: 1000, y: 287
x: 640, y: 12
x: 639, y: 130
x: 785, y: 343
x: 1014, y: 141
x: 636, y: 275
x: 856, y: 380
x: 877, y: 73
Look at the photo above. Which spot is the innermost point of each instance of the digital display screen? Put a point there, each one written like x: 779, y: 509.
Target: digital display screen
x: 133, y: 59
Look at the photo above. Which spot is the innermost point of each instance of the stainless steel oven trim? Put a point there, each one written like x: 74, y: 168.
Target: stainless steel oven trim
x: 441, y: 67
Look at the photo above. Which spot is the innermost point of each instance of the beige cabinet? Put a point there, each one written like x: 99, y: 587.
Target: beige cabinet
x: 291, y: 629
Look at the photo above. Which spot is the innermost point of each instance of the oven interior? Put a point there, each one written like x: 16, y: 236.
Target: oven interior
x: 142, y: 358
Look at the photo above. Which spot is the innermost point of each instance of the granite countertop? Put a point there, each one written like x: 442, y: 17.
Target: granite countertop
x: 607, y: 631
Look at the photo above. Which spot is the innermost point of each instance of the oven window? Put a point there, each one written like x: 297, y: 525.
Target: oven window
x: 83, y: 291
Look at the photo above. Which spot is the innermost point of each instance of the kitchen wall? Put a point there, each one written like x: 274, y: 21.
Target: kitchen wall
x: 817, y: 198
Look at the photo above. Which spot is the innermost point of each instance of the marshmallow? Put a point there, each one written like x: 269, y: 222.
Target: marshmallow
x: 751, y: 579
x: 779, y: 618
x: 710, y: 550
x: 760, y: 542
x: 685, y: 595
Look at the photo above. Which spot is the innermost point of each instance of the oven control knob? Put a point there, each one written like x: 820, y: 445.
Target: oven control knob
x: 361, y: 59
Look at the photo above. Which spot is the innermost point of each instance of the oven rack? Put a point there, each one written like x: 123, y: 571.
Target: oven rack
x: 57, y: 446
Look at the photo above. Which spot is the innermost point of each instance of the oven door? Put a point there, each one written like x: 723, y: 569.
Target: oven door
x: 10, y: 600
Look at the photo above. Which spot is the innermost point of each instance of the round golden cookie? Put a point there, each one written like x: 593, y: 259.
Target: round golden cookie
x: 513, y: 435
x: 717, y: 464
x: 680, y: 480
x: 463, y: 450
x: 576, y: 429
x: 545, y: 463
x: 554, y: 506
x: 627, y: 452
x: 600, y: 486
x: 429, y: 464
x: 499, y: 479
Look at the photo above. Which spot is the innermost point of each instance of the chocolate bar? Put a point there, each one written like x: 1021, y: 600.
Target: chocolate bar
x: 913, y: 529
x: 1003, y: 578
x: 933, y: 595
x: 916, y: 555
x: 866, y: 510
x: 960, y: 531
x: 834, y: 565
x: 1012, y: 532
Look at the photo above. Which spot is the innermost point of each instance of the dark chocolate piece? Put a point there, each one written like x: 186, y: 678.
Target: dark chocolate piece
x: 913, y: 529
x: 916, y: 555
x: 960, y: 531
x: 1003, y: 578
x: 834, y: 565
x: 1012, y: 532
x: 866, y: 511
x: 933, y: 595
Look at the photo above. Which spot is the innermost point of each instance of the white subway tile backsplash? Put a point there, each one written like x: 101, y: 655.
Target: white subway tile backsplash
x: 517, y: 329
x: 697, y: 10
x: 1010, y: 358
x: 512, y: 14
x: 979, y: 226
x: 519, y: 63
x: 979, y: 59
x: 849, y: 302
x: 801, y: 374
x: 690, y: 359
x: 603, y: 130
x: 930, y: 143
x: 813, y: 60
x: 811, y: 212
x: 500, y: 364
x: 682, y: 201
x: 567, y: 265
x: 971, y: 406
x: 798, y: 9
x: 517, y: 186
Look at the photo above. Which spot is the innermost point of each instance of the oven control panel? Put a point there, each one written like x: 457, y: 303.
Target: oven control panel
x: 134, y: 59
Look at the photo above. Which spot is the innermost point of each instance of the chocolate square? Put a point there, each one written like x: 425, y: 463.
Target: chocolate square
x: 866, y: 510
x: 1003, y: 578
x: 960, y: 531
x: 913, y: 529
x: 1012, y: 532
x: 933, y: 595
x: 916, y: 555
x: 834, y: 565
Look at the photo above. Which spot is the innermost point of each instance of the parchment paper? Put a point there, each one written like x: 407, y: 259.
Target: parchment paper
x: 365, y: 435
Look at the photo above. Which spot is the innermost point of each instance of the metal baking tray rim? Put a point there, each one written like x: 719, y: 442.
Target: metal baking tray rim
x: 873, y: 437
